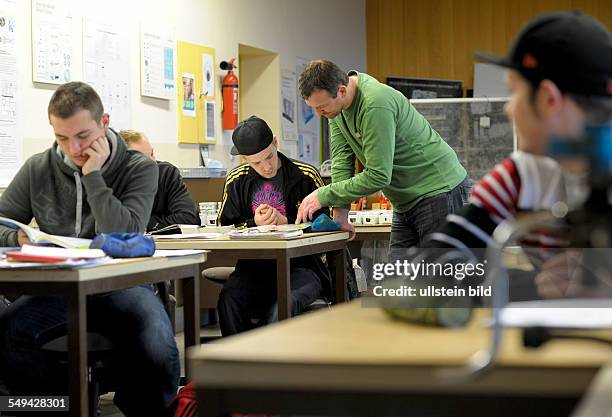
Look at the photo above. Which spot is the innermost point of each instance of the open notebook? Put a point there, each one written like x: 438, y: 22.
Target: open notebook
x: 36, y: 236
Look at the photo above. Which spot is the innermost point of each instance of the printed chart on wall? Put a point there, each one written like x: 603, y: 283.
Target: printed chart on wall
x: 309, y: 126
x: 52, y: 59
x: 10, y: 136
x: 288, y: 114
x: 157, y: 57
x: 106, y: 66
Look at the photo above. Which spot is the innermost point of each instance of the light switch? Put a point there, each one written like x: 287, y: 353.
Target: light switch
x: 485, y: 121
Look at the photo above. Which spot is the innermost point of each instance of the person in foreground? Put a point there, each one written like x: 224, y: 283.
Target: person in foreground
x: 560, y: 76
x: 88, y: 182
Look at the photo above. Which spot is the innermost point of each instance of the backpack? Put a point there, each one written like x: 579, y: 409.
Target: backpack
x: 184, y: 404
x: 351, y: 280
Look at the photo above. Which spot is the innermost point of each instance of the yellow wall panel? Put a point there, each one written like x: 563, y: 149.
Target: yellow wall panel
x: 189, y: 60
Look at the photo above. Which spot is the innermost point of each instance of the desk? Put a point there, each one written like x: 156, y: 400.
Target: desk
x: 226, y: 251
x: 76, y: 284
x: 381, y: 232
x: 355, y: 361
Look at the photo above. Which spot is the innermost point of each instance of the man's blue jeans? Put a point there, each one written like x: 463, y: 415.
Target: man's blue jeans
x: 145, y: 367
x: 410, y: 228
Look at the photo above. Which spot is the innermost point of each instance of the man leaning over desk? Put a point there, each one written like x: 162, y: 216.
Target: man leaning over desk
x: 88, y: 182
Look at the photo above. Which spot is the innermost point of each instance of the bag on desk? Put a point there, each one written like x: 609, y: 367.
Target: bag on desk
x: 324, y: 224
x: 124, y: 245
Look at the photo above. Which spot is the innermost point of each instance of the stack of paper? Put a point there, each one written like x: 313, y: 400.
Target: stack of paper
x: 256, y: 233
x: 189, y: 236
x: 43, y: 256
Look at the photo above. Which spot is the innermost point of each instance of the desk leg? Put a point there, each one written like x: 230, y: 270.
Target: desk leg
x: 283, y: 286
x: 76, y: 310
x: 341, y: 290
x: 191, y: 303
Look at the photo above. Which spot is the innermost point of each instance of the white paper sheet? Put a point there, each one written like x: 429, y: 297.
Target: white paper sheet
x: 575, y: 314
x: 288, y: 106
x: 10, y: 132
x: 157, y: 52
x: 106, y: 67
x: 52, y: 58
x: 208, y: 75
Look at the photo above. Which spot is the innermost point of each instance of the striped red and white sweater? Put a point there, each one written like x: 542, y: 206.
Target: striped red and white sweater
x: 523, y: 182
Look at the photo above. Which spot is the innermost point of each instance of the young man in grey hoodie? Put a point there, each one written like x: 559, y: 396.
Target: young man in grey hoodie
x: 88, y: 182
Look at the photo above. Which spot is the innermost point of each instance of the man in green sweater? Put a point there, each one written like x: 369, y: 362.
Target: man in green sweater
x: 402, y: 155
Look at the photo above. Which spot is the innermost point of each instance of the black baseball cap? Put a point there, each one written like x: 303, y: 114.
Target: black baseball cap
x: 251, y: 136
x: 569, y: 48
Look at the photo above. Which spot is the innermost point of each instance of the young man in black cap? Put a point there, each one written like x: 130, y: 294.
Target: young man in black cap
x: 266, y: 190
x: 560, y: 75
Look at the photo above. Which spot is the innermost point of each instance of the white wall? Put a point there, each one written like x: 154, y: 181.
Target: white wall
x: 331, y: 29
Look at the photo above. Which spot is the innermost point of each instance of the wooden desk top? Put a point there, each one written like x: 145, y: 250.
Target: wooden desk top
x: 226, y: 243
x: 379, y: 228
x: 352, y: 346
x: 115, y: 268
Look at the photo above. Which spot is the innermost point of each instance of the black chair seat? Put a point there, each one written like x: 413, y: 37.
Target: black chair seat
x: 95, y: 343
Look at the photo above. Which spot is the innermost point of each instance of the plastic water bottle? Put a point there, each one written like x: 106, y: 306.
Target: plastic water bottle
x: 360, y: 277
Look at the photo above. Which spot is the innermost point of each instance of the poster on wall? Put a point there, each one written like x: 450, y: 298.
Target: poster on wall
x: 308, y: 126
x: 189, y: 94
x: 208, y: 75
x: 288, y: 100
x: 10, y: 138
x: 306, y: 147
x: 52, y: 59
x: 157, y: 56
x: 106, y: 67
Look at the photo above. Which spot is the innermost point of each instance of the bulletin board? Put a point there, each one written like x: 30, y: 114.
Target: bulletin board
x: 196, y: 93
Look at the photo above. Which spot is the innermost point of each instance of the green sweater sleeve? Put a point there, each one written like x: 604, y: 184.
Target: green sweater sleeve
x: 378, y: 143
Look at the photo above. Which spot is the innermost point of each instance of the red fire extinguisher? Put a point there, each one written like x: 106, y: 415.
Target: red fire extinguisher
x: 229, y: 90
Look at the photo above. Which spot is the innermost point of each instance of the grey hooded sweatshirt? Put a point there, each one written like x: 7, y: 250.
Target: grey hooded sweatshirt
x: 51, y: 189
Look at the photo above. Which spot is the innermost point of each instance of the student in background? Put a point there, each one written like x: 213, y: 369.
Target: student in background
x: 267, y: 189
x: 173, y: 203
x: 87, y: 183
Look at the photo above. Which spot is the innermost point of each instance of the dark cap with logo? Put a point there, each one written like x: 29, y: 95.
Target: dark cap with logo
x: 569, y: 48
x: 251, y: 136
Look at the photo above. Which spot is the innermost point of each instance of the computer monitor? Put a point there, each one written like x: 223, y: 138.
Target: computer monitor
x: 426, y: 87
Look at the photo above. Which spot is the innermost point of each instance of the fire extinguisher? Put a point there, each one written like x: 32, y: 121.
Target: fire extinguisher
x: 229, y: 90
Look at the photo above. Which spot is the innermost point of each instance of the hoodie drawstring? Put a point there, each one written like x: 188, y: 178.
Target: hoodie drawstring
x: 79, y: 204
